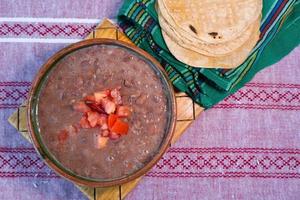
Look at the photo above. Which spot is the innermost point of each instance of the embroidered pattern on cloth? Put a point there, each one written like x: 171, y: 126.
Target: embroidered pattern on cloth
x: 45, y: 30
x: 178, y: 162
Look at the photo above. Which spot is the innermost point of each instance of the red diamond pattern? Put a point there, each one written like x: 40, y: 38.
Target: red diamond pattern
x: 191, y: 161
x: 45, y: 30
x: 185, y: 162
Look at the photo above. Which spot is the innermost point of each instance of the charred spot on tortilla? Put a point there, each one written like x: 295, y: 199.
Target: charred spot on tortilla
x: 193, y: 29
x: 213, y: 34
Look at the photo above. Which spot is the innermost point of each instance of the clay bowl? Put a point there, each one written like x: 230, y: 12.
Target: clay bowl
x: 33, y: 125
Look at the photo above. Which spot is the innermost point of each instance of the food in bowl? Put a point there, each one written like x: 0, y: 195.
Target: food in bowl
x: 102, y: 112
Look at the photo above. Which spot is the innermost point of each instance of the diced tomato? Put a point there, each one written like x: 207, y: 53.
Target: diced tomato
x: 93, y: 118
x: 95, y: 107
x: 104, y: 110
x: 101, y: 95
x: 104, y: 127
x: 108, y: 105
x: 102, y: 119
x: 105, y: 133
x: 101, y: 142
x: 120, y: 127
x: 123, y: 111
x: 112, y: 118
x: 116, y: 95
x: 84, y: 123
x: 90, y: 98
x: 63, y: 136
x: 81, y: 107
x: 102, y: 122
x: 114, y: 136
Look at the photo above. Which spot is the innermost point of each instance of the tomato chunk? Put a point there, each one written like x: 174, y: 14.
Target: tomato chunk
x: 108, y: 105
x: 102, y: 122
x: 105, y: 133
x: 95, y: 107
x: 120, y: 127
x: 123, y: 111
x: 112, y: 118
x: 84, y: 123
x: 102, y: 119
x: 101, y: 95
x: 93, y: 118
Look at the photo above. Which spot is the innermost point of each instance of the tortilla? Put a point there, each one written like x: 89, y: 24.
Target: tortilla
x: 211, y: 21
x: 196, y: 59
x: 208, y: 49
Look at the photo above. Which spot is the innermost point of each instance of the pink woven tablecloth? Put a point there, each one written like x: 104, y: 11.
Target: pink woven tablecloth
x: 246, y: 147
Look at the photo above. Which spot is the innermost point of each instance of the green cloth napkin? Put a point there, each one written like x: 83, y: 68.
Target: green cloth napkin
x: 280, y: 33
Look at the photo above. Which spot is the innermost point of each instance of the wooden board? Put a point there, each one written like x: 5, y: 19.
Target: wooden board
x: 187, y: 112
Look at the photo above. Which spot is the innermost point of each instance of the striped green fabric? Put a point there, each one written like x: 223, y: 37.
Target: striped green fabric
x: 280, y: 33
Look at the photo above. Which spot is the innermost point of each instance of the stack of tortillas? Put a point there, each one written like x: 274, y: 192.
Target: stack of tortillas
x: 210, y: 33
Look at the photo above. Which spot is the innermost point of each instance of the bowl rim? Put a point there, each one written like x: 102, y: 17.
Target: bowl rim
x: 65, y: 51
